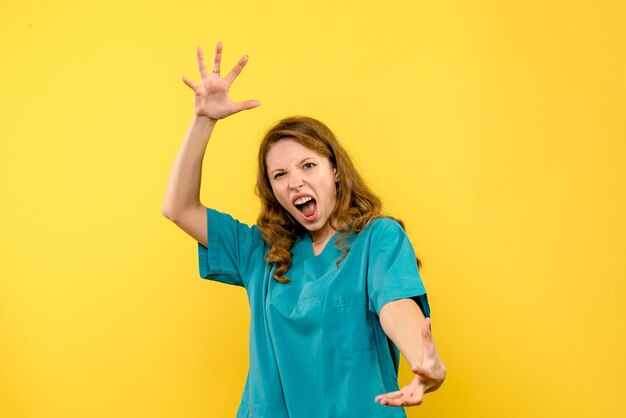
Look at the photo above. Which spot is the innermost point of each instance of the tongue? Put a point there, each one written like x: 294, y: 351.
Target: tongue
x: 308, y: 208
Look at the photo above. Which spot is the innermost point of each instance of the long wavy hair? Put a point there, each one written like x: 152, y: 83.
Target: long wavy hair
x: 355, y: 206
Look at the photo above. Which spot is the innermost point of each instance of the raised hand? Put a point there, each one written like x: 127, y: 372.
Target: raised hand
x: 428, y: 376
x: 211, y: 92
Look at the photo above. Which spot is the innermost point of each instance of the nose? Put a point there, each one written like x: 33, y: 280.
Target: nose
x: 296, y: 180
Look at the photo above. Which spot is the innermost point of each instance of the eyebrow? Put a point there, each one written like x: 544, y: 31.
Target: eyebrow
x: 300, y: 163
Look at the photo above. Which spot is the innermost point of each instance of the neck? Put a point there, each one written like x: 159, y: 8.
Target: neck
x: 323, y: 235
x: 319, y: 239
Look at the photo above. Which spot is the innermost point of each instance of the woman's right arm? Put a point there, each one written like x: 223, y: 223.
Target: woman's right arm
x: 181, y: 203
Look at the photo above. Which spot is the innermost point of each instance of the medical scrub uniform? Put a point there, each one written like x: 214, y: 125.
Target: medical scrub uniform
x: 317, y: 349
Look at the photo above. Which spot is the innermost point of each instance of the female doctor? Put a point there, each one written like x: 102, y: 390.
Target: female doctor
x: 333, y: 285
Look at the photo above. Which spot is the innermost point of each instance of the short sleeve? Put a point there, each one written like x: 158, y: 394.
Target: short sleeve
x: 235, y: 251
x: 393, y: 272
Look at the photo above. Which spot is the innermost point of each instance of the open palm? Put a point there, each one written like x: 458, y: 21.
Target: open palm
x: 211, y: 92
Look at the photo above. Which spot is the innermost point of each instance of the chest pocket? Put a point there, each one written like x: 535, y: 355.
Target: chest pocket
x: 353, y: 323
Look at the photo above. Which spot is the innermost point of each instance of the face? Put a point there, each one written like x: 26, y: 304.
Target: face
x: 304, y: 183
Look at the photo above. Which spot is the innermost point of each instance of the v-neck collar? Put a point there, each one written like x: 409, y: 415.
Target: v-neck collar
x: 330, y: 244
x: 317, y: 266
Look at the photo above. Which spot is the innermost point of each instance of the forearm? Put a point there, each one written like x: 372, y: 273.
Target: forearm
x: 183, y: 186
x: 402, y: 322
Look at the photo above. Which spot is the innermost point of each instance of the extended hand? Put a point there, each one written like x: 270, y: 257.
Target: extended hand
x: 428, y: 376
x: 432, y: 371
x: 211, y: 92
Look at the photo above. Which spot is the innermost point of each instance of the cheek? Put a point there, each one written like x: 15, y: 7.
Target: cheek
x: 280, y: 195
x: 332, y: 188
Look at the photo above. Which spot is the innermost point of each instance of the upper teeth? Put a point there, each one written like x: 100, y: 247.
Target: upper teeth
x: 303, y: 200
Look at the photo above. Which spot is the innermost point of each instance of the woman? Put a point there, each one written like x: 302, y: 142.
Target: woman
x: 333, y: 285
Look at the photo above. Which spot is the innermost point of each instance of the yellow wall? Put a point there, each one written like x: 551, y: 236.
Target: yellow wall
x: 495, y: 130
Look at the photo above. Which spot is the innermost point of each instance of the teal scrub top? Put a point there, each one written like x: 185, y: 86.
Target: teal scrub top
x: 317, y: 349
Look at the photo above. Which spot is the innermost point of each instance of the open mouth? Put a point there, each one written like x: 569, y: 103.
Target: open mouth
x: 307, y: 206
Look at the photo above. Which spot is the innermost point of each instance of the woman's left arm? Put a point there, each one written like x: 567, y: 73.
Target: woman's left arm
x: 404, y: 323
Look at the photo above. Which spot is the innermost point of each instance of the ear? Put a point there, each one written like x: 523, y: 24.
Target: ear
x: 336, y: 175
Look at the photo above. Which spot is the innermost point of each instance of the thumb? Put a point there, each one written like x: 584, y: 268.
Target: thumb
x: 248, y: 104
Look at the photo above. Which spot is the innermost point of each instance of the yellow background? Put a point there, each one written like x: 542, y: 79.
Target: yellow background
x: 495, y: 130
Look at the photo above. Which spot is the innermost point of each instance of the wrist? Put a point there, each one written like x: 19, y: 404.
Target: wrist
x: 203, y: 120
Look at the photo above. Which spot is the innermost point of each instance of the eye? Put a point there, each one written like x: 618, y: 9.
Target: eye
x: 308, y: 165
x: 279, y: 174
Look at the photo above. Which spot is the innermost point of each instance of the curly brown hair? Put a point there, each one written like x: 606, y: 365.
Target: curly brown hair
x: 356, y: 205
